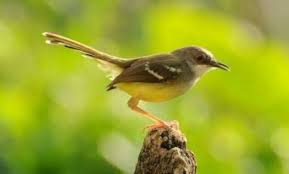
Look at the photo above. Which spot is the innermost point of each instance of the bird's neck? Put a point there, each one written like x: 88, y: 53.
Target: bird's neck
x: 198, y: 70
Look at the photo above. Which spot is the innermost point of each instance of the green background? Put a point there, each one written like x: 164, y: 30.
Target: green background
x: 55, y: 116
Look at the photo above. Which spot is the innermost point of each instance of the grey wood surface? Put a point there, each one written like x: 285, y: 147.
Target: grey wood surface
x: 164, y: 152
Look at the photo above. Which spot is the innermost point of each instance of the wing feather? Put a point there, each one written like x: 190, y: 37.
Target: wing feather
x: 156, y: 69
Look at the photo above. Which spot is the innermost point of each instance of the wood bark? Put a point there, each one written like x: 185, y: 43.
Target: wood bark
x: 164, y: 152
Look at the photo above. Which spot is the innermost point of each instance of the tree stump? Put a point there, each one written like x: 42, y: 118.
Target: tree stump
x: 164, y: 152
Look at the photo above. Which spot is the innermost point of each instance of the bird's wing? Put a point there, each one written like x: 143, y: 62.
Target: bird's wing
x: 159, y: 68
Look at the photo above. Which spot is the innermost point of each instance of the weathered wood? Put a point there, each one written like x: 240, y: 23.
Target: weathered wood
x: 164, y: 152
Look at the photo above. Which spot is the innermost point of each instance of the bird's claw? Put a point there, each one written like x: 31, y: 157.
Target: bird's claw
x: 163, y: 124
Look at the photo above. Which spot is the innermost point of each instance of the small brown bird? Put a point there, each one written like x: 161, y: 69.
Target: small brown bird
x: 153, y: 78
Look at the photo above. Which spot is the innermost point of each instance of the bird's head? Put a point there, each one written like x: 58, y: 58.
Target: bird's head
x: 199, y: 59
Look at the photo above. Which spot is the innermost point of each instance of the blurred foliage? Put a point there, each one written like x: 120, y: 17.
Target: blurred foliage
x: 56, y: 117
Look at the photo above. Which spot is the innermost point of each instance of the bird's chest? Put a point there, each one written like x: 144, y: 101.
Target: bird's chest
x: 155, y: 92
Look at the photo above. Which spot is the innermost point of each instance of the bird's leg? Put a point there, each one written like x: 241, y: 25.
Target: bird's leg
x: 133, y: 102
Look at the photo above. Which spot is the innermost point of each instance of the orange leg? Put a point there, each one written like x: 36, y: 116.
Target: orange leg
x: 133, y: 102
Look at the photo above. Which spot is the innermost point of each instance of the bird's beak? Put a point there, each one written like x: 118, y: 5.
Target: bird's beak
x: 219, y: 65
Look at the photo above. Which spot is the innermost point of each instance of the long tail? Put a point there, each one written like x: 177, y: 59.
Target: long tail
x: 53, y: 38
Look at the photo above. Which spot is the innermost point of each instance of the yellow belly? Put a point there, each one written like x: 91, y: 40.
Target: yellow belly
x: 153, y: 92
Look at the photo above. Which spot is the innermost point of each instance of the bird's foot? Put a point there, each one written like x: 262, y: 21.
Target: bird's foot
x: 163, y: 124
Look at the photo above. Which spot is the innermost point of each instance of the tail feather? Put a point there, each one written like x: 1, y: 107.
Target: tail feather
x: 108, y: 63
x: 84, y: 49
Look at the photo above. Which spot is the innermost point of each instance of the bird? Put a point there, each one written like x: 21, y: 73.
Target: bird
x: 153, y: 78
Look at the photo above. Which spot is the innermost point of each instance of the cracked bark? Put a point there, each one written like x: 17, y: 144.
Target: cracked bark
x: 164, y: 152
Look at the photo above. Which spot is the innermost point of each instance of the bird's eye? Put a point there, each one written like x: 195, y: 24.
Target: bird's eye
x: 200, y: 58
